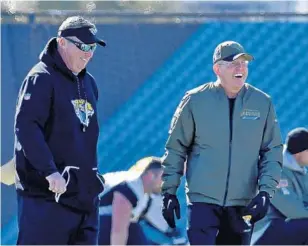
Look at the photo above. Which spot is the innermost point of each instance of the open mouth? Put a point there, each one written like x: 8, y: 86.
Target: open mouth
x: 238, y: 75
x: 83, y: 59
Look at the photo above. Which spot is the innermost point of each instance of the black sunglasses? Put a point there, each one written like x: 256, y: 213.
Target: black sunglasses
x: 82, y: 46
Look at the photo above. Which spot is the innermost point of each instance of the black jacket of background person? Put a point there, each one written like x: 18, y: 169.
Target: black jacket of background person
x: 49, y: 135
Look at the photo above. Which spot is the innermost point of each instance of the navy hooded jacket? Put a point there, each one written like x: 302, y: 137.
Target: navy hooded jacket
x: 50, y: 134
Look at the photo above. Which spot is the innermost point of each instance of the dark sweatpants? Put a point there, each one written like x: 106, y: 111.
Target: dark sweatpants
x: 136, y: 235
x: 49, y: 223
x: 211, y: 224
x: 281, y: 232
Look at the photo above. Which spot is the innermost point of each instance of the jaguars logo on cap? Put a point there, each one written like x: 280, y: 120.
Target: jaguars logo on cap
x: 93, y: 30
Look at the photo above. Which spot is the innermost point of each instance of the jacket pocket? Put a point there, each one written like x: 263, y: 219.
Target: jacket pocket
x: 100, y: 184
x: 71, y: 182
x: 243, y: 182
x: 205, y: 174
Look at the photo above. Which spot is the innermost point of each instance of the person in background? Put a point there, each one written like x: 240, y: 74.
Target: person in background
x: 287, y: 220
x: 125, y: 200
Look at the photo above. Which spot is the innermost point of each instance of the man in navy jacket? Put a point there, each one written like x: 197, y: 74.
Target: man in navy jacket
x: 56, y: 132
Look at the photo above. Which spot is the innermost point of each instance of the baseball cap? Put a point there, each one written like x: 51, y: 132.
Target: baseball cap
x: 230, y: 51
x: 297, y: 140
x: 81, y: 28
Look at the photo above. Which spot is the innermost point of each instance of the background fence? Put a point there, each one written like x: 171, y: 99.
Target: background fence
x: 148, y: 64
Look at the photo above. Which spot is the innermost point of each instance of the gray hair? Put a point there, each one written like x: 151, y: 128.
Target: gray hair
x: 75, y: 22
x: 221, y: 63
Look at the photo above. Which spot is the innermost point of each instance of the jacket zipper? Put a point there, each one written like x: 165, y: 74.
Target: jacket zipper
x: 230, y: 149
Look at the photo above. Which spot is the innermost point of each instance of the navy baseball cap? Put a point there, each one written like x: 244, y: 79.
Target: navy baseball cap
x: 81, y: 28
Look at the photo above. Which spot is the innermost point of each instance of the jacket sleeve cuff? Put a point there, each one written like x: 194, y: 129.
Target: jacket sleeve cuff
x: 52, y: 169
x: 271, y: 192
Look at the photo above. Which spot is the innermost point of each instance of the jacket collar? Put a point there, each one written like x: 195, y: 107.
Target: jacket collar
x: 221, y: 90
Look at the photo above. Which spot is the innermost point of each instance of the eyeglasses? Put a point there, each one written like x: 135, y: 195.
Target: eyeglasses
x: 82, y: 46
x: 234, y: 64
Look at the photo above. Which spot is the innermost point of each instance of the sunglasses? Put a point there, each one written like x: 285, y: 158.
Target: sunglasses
x: 82, y: 46
x: 234, y: 64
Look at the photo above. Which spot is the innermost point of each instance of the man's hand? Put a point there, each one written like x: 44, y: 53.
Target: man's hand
x: 57, y: 183
x: 258, y: 207
x: 170, y: 206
